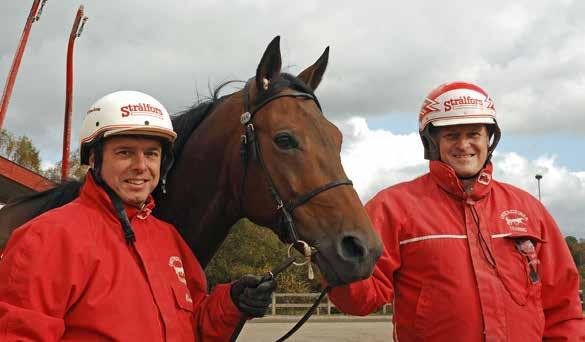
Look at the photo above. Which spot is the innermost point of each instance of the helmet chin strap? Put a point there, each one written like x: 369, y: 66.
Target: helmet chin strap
x: 116, y: 201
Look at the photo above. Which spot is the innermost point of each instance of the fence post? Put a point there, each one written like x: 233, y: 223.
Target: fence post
x: 318, y: 308
x: 328, y: 306
x: 273, y: 304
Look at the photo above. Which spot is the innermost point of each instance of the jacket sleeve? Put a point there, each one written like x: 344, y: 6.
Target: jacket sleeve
x: 363, y: 297
x: 39, y: 281
x: 215, y: 315
x: 560, y: 287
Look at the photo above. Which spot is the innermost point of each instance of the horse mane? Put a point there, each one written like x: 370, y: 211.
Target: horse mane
x: 185, y: 122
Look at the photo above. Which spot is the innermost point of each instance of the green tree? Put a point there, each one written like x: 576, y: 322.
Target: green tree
x: 20, y: 150
x: 76, y: 170
x: 251, y: 249
x: 577, y: 249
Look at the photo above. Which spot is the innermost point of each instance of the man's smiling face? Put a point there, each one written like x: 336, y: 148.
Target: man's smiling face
x: 131, y: 167
x: 464, y: 147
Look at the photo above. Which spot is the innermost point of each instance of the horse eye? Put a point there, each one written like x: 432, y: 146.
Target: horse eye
x: 285, y: 141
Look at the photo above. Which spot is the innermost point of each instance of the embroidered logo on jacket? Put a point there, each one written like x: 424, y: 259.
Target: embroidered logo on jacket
x: 515, y: 219
x: 177, y: 264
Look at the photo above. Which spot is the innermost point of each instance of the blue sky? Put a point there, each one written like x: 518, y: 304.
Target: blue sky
x: 566, y: 147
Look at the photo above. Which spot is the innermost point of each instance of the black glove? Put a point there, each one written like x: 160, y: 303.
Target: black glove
x: 252, y: 295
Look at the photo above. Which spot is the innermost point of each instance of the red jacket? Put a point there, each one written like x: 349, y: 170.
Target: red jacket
x: 452, y: 281
x: 69, y: 275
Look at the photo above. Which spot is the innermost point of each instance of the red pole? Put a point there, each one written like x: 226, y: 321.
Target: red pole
x: 32, y: 17
x: 75, y: 32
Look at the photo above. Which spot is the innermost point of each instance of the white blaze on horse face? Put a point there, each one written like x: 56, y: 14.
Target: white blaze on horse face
x: 265, y: 83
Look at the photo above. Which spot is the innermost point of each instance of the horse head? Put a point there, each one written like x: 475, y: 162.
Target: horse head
x: 295, y: 166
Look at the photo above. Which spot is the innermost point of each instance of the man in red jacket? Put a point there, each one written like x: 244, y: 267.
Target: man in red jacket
x: 103, y: 268
x: 467, y: 258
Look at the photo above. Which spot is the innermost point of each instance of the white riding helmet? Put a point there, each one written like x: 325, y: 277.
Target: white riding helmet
x: 456, y: 103
x: 123, y: 113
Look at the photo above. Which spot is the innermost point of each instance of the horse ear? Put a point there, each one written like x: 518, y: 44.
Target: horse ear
x: 270, y: 64
x: 312, y: 75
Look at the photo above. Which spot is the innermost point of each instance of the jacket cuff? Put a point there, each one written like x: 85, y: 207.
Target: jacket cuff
x: 230, y: 313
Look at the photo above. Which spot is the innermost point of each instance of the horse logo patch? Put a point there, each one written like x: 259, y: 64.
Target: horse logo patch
x: 177, y: 264
x: 515, y: 219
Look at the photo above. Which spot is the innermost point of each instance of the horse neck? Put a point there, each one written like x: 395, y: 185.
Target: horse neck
x: 201, y: 201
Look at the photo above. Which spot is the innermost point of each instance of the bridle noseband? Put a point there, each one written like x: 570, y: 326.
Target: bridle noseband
x: 249, y: 145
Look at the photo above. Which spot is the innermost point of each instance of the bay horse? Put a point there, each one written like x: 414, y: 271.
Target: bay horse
x: 265, y: 152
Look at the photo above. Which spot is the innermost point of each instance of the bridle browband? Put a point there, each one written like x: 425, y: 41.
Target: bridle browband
x: 285, y: 226
x: 249, y: 145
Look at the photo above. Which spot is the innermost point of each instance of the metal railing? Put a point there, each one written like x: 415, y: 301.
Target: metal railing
x: 304, y: 301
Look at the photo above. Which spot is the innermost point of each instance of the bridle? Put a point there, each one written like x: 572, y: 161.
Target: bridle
x: 249, y: 145
x: 285, y: 227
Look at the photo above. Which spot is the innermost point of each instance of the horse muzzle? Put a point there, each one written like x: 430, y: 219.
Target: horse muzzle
x: 347, y: 258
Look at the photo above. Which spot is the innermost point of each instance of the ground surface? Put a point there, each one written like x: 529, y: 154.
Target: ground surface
x: 319, y: 329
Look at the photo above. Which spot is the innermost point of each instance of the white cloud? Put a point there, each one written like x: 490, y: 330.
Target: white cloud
x: 375, y: 159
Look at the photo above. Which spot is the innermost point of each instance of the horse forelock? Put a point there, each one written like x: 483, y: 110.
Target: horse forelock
x: 286, y: 81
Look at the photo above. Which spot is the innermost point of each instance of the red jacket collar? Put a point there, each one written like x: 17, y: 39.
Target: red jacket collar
x: 447, y: 179
x: 95, y: 194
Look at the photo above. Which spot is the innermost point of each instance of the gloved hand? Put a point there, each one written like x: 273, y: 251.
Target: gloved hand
x: 252, y: 295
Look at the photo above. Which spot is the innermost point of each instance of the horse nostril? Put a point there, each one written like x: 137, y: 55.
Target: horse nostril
x: 352, y: 248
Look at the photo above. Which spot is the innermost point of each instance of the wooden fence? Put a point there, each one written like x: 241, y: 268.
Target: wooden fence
x: 304, y: 301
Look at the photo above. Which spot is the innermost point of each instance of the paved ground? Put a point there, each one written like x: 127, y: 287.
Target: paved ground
x: 321, y: 329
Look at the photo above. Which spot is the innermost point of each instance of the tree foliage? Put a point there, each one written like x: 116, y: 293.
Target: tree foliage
x: 19, y: 150
x: 577, y: 248
x: 76, y: 170
x: 251, y: 249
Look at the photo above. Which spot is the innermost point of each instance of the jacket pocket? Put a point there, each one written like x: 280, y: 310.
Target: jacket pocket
x: 423, y: 315
x: 182, y: 297
x: 518, y: 265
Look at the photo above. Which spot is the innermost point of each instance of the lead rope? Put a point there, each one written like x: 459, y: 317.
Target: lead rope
x: 306, y: 316
x: 307, y: 252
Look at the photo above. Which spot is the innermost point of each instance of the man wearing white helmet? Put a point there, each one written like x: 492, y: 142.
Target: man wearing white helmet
x: 467, y: 258
x: 103, y: 268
